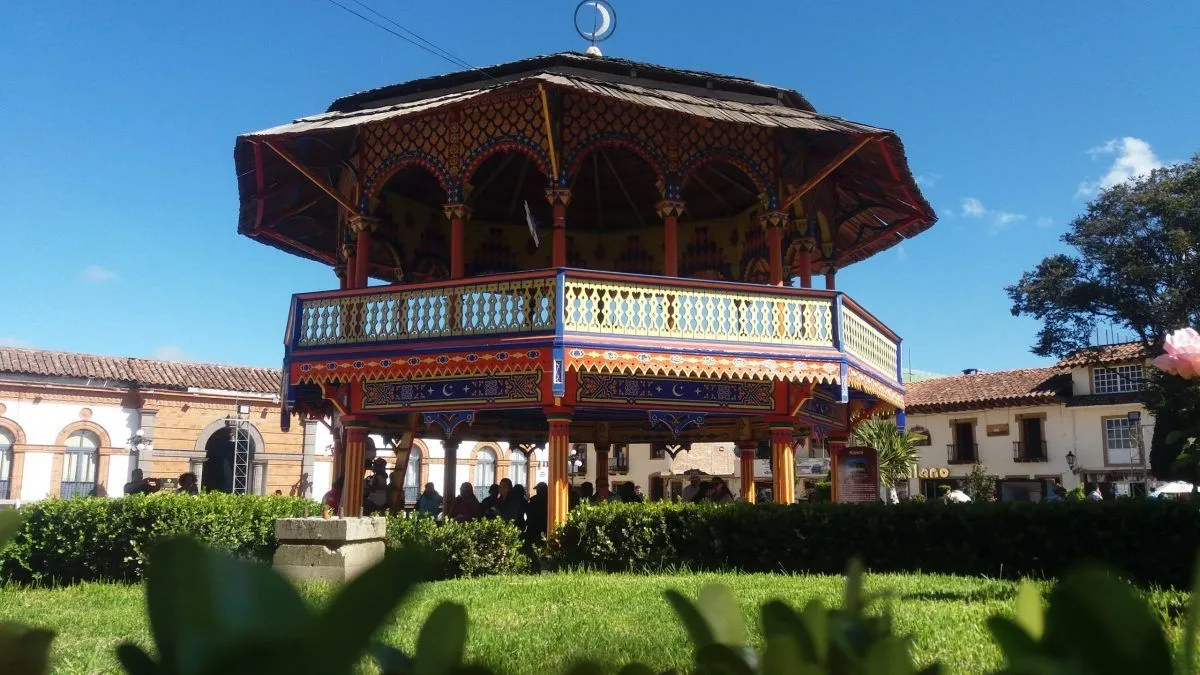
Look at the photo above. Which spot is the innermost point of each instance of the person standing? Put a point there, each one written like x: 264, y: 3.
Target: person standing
x: 188, y: 485
x: 1095, y: 495
x: 466, y: 508
x: 139, y: 484
x: 692, y: 490
x: 535, y: 523
x: 377, y: 488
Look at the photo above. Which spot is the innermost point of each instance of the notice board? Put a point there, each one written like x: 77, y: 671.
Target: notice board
x: 855, y: 474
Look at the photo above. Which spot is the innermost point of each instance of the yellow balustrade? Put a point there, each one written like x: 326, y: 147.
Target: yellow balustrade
x: 868, y: 344
x: 636, y: 309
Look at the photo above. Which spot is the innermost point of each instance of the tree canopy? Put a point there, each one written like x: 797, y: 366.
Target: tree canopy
x: 1136, y: 265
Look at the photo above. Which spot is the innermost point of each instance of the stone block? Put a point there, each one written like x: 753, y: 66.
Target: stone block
x: 334, y: 550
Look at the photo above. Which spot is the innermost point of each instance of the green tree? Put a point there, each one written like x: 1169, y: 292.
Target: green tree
x: 1135, y: 265
x: 897, y: 450
x: 979, y: 484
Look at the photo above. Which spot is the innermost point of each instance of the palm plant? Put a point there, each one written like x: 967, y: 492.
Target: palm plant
x: 896, y: 447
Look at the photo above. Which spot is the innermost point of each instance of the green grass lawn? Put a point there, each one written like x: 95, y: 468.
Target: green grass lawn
x: 539, y: 624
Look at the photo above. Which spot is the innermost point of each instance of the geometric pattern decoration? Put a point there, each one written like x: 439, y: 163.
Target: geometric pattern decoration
x: 691, y: 365
x: 863, y: 382
x: 417, y: 393
x: 380, y: 367
x: 633, y: 389
x: 449, y: 420
x: 671, y: 449
x: 676, y: 422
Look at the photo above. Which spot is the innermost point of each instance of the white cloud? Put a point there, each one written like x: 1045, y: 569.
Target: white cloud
x: 95, y: 274
x: 1045, y: 221
x: 997, y: 220
x: 14, y: 342
x: 1134, y: 159
x: 928, y: 180
x: 901, y: 252
x: 171, y: 353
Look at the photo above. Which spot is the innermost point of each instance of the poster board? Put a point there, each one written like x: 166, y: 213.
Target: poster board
x: 855, y: 475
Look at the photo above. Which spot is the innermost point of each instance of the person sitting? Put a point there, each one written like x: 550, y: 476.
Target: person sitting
x: 692, y: 489
x: 512, y: 503
x: 466, y: 507
x: 188, y: 484
x: 377, y: 488
x: 430, y: 502
x: 139, y: 484
x: 587, y: 493
x: 720, y: 491
x: 333, y: 499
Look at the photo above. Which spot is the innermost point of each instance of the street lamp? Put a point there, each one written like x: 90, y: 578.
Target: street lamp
x: 1071, y: 461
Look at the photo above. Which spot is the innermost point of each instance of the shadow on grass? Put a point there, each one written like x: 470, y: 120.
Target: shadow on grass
x: 979, y: 595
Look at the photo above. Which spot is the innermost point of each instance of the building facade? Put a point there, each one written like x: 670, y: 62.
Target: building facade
x: 1080, y: 422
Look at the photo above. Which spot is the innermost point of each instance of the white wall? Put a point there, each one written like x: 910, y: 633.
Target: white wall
x: 35, y: 479
x: 118, y: 474
x: 43, y: 420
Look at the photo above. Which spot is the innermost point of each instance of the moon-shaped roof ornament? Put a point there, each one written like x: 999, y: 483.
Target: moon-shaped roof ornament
x: 596, y: 25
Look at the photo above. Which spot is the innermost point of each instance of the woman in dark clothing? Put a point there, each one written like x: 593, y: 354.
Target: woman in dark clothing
x: 512, y: 503
x: 491, y: 503
x: 466, y: 507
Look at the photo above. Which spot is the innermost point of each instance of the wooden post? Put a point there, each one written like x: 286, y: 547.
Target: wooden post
x: 783, y: 463
x: 363, y: 227
x: 602, y: 470
x: 804, y: 262
x: 560, y: 445
x: 775, y: 221
x: 355, y: 434
x: 559, y: 198
x: 458, y: 214
x: 830, y: 279
x: 449, y: 473
x: 670, y: 210
x: 747, y: 451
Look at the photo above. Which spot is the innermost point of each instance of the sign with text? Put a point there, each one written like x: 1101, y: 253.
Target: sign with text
x: 855, y: 474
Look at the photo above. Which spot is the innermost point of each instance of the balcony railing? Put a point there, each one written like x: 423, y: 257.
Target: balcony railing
x: 618, y: 464
x: 1029, y: 452
x: 598, y: 303
x: 960, y: 453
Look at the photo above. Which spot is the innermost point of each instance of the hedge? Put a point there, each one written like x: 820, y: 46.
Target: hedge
x: 477, y: 548
x: 95, y: 539
x: 1153, y: 541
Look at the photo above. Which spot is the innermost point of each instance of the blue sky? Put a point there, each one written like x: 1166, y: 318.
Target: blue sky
x: 118, y: 120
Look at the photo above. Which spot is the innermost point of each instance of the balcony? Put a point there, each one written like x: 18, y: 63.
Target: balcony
x: 962, y: 453
x: 585, y: 308
x: 1029, y: 452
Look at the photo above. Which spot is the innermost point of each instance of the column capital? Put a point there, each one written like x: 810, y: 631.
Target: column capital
x: 457, y: 211
x: 670, y: 207
x: 775, y: 218
x: 747, y: 447
x: 558, y: 196
x: 360, y: 223
x: 807, y: 244
x: 452, y: 444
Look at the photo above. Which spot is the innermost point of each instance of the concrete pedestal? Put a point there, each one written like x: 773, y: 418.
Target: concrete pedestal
x: 337, y: 550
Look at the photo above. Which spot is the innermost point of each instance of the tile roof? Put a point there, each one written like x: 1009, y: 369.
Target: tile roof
x: 146, y: 372
x: 1120, y: 352
x: 988, y: 390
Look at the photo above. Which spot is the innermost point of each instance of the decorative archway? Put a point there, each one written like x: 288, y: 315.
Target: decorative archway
x: 13, y: 428
x: 223, y: 456
x: 101, y: 434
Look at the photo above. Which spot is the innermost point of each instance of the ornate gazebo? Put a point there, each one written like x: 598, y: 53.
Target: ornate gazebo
x: 581, y: 248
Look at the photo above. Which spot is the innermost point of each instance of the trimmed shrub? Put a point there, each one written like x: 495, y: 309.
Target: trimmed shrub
x: 73, y: 540
x: 474, y: 549
x: 1153, y: 541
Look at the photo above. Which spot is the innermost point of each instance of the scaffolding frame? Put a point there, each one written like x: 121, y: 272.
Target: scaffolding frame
x: 239, y: 430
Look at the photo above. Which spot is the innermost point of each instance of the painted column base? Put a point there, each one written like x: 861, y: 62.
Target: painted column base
x: 334, y: 550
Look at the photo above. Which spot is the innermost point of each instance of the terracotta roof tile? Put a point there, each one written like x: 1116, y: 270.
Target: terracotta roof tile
x: 999, y: 389
x: 147, y: 372
x: 1124, y: 351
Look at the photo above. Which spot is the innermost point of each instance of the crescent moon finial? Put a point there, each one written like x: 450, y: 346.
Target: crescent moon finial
x: 597, y: 25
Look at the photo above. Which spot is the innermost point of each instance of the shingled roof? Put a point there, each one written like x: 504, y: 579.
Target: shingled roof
x: 1004, y: 388
x: 151, y: 373
x: 1102, y: 354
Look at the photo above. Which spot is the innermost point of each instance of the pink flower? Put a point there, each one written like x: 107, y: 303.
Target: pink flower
x: 1183, y: 354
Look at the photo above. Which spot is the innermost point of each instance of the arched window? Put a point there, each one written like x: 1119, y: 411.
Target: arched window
x: 412, y: 476
x: 518, y: 469
x: 6, y: 444
x: 485, y: 470
x: 79, y: 465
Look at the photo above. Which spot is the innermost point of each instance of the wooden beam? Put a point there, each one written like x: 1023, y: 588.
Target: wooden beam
x: 549, y: 134
x: 512, y: 206
x: 296, y: 210
x: 724, y: 204
x: 312, y: 177
x: 624, y: 190
x: 490, y: 179
x: 816, y: 178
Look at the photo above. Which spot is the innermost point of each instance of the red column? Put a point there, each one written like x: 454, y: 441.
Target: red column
x: 559, y: 198
x: 775, y: 221
x: 602, y: 470
x: 670, y: 210
x: 747, y: 451
x: 783, y: 463
x: 449, y: 473
x: 355, y: 434
x: 804, y: 261
x: 560, y: 444
x: 830, y: 283
x: 363, y: 227
x: 458, y: 215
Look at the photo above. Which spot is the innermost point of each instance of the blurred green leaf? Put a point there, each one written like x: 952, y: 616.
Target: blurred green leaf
x: 24, y: 650
x: 720, y: 611
x: 716, y: 658
x: 1191, y: 625
x: 442, y: 641
x: 693, y: 622
x: 1029, y: 610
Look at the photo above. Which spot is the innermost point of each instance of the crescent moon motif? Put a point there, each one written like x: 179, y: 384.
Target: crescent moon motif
x: 605, y: 21
x: 675, y: 391
x: 447, y: 390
